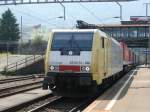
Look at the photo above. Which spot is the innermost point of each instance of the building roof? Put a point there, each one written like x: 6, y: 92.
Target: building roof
x: 127, y: 24
x: 121, y: 25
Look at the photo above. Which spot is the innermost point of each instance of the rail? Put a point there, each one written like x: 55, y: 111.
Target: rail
x: 7, y: 80
x: 23, y: 62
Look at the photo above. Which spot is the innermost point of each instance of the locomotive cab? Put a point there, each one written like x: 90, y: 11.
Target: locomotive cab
x: 68, y: 63
x: 77, y: 61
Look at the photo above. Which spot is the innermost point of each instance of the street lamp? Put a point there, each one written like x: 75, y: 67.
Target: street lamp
x: 56, y: 17
x: 116, y: 17
x: 60, y: 17
x: 120, y: 6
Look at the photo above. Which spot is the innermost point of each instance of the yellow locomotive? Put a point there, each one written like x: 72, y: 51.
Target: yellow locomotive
x: 79, y: 60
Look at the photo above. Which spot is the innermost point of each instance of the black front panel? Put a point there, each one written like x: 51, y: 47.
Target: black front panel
x: 69, y: 79
x: 71, y: 84
x: 72, y: 41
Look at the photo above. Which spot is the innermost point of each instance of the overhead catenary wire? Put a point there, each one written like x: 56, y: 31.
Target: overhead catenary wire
x: 37, y: 13
x: 90, y: 12
x: 32, y: 16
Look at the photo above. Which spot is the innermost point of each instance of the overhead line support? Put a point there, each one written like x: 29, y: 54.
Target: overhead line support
x: 147, y: 4
x: 64, y: 9
x: 120, y: 10
x: 17, y: 2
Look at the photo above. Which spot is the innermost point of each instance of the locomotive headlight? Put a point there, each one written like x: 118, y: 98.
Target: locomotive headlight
x: 52, y: 67
x: 87, y: 68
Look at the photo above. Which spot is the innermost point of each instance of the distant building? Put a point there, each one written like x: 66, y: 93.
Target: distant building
x: 26, y: 34
x: 135, y: 33
x: 30, y: 32
x: 39, y: 30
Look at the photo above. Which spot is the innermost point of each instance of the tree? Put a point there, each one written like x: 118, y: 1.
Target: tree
x: 37, y: 40
x: 9, y: 29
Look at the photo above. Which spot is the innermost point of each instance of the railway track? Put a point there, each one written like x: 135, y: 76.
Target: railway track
x: 32, y: 105
x: 50, y: 103
x: 7, y: 80
x: 20, y: 88
x: 61, y: 104
x: 70, y: 104
x: 17, y: 85
x: 55, y: 103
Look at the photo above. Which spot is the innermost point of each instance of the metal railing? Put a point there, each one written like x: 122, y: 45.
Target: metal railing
x: 23, y: 62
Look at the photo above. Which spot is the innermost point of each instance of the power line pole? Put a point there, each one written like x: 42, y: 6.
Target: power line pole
x: 63, y: 8
x: 21, y: 39
x: 146, y: 11
x: 146, y: 5
x: 21, y: 29
x: 120, y: 10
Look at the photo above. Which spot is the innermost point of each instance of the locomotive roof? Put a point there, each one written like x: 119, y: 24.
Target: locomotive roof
x: 115, y: 41
x: 87, y: 30
x: 81, y: 30
x: 74, y: 30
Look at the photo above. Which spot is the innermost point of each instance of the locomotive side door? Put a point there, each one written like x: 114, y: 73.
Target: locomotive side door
x: 106, y: 56
x: 104, y: 47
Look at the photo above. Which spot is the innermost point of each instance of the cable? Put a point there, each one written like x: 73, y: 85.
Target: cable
x: 46, y: 21
x: 88, y: 10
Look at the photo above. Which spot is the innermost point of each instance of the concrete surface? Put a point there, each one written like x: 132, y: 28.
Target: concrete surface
x: 18, y: 99
x: 130, y: 94
x: 36, y: 67
x: 11, y: 59
x: 14, y: 59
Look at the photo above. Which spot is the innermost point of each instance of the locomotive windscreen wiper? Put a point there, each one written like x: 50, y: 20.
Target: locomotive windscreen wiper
x: 80, y: 41
x: 71, y: 42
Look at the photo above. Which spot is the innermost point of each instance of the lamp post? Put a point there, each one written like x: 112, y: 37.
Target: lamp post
x: 146, y: 4
x: 7, y: 45
x: 120, y: 10
x: 21, y: 35
x: 21, y: 29
x: 148, y: 45
x: 63, y: 8
x: 59, y: 17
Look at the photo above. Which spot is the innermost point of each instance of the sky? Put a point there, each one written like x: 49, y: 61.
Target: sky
x: 94, y: 13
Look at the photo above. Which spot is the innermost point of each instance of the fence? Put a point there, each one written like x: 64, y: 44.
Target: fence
x: 23, y: 63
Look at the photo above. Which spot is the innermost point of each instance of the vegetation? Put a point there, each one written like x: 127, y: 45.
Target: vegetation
x: 38, y: 40
x: 36, y: 46
x: 9, y: 29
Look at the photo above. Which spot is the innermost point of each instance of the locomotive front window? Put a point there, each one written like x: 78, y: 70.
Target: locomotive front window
x: 70, y: 41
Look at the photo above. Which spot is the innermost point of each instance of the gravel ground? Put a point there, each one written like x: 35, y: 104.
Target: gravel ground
x: 34, y: 105
x: 65, y: 105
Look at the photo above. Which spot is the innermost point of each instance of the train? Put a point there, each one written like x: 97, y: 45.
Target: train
x: 80, y: 61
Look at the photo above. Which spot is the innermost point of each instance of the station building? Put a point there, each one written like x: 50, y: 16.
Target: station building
x: 135, y: 33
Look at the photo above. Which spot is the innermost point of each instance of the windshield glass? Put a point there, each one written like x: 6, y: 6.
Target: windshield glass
x: 72, y: 41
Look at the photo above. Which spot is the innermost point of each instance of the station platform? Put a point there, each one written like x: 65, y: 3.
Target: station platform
x: 130, y: 94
